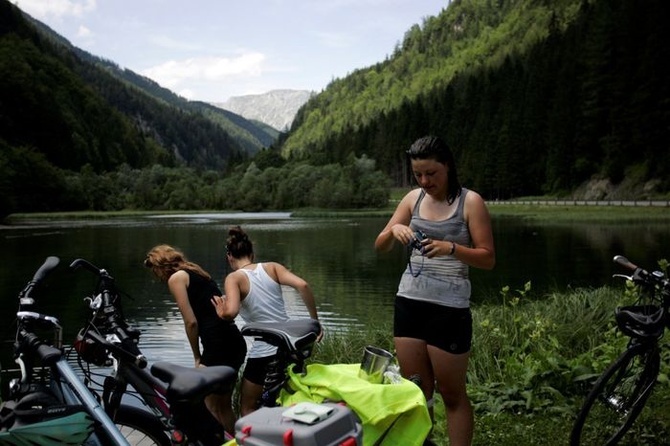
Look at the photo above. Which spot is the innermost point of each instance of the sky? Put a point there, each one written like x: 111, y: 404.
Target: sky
x: 211, y: 50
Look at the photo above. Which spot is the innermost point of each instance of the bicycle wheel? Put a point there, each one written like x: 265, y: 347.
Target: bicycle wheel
x: 140, y: 427
x: 617, y: 397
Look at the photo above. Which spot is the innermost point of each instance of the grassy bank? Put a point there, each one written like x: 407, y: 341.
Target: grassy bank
x: 533, y: 361
x: 567, y: 213
x: 548, y: 213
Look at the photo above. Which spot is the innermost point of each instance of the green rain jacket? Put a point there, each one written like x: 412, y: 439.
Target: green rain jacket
x: 393, y: 413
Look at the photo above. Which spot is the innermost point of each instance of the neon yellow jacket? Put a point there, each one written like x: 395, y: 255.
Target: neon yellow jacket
x: 395, y: 413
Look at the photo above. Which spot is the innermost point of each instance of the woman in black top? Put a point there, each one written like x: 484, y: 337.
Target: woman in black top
x: 222, y: 343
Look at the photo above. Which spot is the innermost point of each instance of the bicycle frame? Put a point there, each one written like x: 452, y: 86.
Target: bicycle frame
x: 73, y: 391
x: 184, y: 415
x: 107, y: 329
x: 150, y: 391
x: 64, y: 384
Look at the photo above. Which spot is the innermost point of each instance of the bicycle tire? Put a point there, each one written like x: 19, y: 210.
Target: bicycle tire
x: 140, y: 427
x: 617, y: 397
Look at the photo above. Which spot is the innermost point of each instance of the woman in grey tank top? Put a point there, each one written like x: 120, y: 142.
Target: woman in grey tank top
x: 447, y: 229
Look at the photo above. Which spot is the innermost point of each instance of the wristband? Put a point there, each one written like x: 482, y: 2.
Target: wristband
x: 453, y: 249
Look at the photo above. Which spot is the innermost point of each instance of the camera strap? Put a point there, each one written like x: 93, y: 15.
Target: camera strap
x: 409, y: 262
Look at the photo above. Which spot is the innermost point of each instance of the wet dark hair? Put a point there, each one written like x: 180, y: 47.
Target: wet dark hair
x: 433, y: 147
x: 238, y: 243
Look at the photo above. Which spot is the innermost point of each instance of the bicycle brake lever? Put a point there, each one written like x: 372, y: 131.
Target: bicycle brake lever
x: 623, y: 276
x: 96, y: 302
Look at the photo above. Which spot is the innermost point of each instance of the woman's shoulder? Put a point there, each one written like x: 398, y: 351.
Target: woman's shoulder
x: 472, y: 196
x: 414, y: 193
x: 411, y: 197
x: 273, y: 269
x: 269, y: 267
x: 181, y: 276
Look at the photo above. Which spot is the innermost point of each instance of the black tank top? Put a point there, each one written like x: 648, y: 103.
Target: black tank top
x: 222, y: 342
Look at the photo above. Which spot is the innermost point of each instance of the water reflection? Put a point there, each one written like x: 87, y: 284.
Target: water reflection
x: 353, y: 284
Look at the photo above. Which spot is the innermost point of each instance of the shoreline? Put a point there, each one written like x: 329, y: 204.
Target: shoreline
x: 555, y: 210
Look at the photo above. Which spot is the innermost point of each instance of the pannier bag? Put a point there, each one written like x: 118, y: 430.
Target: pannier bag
x: 36, y: 419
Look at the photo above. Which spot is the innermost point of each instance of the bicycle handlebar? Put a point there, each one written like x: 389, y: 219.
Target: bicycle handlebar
x: 48, y: 355
x: 113, y: 318
x: 623, y: 261
x: 642, y: 276
x: 25, y: 295
x: 81, y: 263
x: 139, y: 360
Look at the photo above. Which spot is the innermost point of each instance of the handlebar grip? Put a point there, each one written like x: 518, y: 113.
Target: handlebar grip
x: 49, y: 264
x: 42, y: 272
x: 79, y: 263
x: 47, y: 354
x: 623, y: 261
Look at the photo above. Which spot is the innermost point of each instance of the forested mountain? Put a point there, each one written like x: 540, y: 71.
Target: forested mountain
x: 534, y: 96
x: 77, y: 109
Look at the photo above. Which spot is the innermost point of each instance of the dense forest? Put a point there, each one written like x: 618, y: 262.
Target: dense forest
x: 535, y: 97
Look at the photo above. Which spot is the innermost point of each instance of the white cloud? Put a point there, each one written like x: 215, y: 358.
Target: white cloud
x: 83, y: 32
x: 42, y: 9
x: 186, y: 93
x: 173, y: 73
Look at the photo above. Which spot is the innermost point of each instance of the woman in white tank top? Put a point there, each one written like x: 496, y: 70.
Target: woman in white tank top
x: 253, y: 290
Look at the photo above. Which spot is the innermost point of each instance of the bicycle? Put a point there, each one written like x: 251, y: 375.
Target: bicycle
x: 171, y: 396
x: 49, y: 405
x: 622, y: 390
x: 175, y: 394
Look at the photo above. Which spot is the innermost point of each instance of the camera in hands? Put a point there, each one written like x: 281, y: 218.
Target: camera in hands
x: 416, y: 240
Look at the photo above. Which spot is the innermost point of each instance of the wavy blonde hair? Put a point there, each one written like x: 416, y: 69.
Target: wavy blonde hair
x: 165, y: 260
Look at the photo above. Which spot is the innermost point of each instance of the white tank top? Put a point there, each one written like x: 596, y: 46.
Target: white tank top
x: 263, y: 303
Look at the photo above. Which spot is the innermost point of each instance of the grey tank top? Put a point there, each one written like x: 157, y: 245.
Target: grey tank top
x: 442, y: 280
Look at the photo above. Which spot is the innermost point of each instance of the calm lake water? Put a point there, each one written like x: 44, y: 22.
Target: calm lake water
x: 353, y: 284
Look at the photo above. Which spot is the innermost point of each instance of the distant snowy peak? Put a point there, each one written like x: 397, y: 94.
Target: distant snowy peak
x: 276, y: 108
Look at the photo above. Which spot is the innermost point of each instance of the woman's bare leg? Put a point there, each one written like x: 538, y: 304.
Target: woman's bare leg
x: 450, y: 373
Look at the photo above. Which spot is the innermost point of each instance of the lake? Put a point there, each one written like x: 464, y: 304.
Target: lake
x: 352, y: 283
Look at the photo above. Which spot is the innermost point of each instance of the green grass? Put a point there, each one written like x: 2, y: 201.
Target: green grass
x: 567, y: 213
x: 534, y: 359
x: 91, y: 215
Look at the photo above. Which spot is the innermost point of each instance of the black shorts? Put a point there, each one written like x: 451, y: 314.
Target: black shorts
x: 447, y: 328
x: 229, y: 350
x: 256, y: 369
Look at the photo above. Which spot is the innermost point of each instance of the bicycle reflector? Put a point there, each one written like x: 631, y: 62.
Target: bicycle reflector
x: 641, y: 321
x: 89, y: 350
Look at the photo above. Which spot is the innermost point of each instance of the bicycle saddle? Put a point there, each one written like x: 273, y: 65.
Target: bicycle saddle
x: 290, y: 336
x: 641, y: 321
x: 192, y: 384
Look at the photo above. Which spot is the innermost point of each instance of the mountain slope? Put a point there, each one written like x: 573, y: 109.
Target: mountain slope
x: 468, y: 34
x: 86, y: 106
x: 536, y: 97
x: 251, y: 136
x: 47, y: 107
